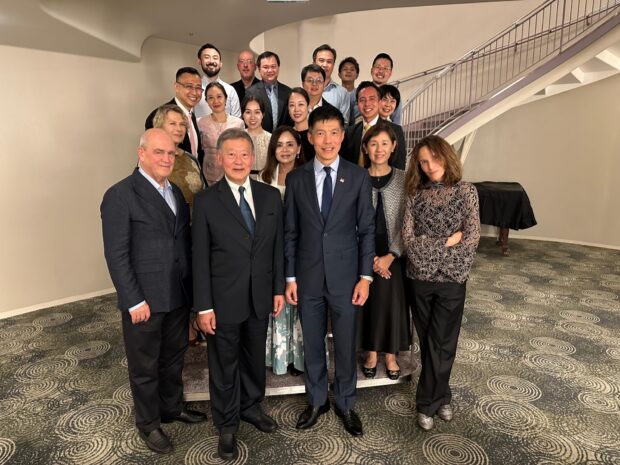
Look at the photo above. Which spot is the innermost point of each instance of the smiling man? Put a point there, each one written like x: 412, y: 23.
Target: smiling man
x: 335, y: 94
x: 381, y: 72
x: 273, y: 93
x: 368, y: 101
x: 247, y: 69
x: 147, y: 244
x: 329, y: 250
x: 187, y: 94
x: 210, y: 61
x: 238, y: 274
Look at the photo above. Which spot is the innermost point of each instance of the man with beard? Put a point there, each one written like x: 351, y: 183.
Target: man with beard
x: 210, y: 60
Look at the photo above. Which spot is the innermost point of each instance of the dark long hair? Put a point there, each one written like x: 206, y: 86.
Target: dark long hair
x: 272, y: 162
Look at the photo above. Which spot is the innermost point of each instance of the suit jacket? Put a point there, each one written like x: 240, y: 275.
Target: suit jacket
x: 336, y: 252
x: 240, y: 88
x: 259, y: 90
x: 147, y: 248
x: 235, y: 272
x: 186, y: 144
x: 353, y: 143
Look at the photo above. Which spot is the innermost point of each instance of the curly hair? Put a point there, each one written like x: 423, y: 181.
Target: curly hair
x: 442, y: 151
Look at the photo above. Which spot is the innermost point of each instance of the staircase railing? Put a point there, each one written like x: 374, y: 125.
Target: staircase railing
x: 483, y: 72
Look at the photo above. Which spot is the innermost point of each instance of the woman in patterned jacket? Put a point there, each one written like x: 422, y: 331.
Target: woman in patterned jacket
x: 441, y: 230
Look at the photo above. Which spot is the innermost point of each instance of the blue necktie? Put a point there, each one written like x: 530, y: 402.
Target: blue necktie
x: 246, y: 212
x: 326, y: 201
x: 273, y: 100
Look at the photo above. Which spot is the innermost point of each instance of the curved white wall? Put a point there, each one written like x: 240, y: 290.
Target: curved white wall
x: 565, y: 151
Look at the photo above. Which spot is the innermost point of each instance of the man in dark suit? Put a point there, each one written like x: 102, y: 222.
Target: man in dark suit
x: 187, y: 94
x: 368, y: 96
x: 147, y: 246
x: 329, y: 250
x: 238, y: 278
x: 274, y: 94
x: 246, y: 67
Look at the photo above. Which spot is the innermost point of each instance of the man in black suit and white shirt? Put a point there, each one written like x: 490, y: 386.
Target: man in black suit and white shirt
x: 187, y: 94
x: 368, y: 96
x: 274, y: 94
x: 147, y: 245
x: 329, y: 250
x: 238, y: 278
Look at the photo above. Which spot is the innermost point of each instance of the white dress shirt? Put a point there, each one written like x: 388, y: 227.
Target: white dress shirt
x: 338, y: 96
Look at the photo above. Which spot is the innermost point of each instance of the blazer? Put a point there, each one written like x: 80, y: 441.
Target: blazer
x: 336, y: 252
x: 236, y: 272
x: 186, y: 144
x: 240, y: 88
x: 259, y: 90
x: 147, y: 247
x: 353, y: 143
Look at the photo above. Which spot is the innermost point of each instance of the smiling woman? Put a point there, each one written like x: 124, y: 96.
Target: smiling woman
x: 211, y: 126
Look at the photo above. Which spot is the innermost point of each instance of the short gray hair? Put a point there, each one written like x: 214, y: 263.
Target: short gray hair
x: 231, y: 134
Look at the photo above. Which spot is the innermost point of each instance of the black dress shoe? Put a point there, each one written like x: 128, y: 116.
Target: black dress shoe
x: 310, y: 415
x: 187, y: 416
x: 350, y: 420
x: 261, y: 421
x: 393, y: 374
x: 157, y: 441
x: 294, y: 371
x: 227, y: 446
x: 369, y: 372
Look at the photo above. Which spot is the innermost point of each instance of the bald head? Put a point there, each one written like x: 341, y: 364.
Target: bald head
x: 246, y: 65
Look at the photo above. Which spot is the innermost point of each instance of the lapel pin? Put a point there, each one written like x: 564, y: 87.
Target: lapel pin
x: 341, y: 180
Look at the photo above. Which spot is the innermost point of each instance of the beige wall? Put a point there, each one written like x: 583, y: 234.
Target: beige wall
x: 565, y: 151
x: 417, y: 38
x: 70, y: 130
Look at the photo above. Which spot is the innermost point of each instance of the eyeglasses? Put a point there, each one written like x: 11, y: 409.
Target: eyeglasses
x: 312, y: 81
x: 189, y: 87
x: 382, y: 68
x: 245, y: 62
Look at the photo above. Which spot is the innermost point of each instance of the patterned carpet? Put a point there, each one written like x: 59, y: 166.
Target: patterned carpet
x: 537, y: 381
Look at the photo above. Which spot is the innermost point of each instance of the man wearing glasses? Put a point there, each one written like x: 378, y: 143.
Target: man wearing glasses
x: 313, y: 82
x: 187, y: 94
x: 246, y: 67
x: 381, y: 72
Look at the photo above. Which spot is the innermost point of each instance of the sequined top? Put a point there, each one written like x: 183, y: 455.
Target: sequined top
x: 187, y: 176
x: 210, y: 131
x: 261, y: 142
x: 433, y: 214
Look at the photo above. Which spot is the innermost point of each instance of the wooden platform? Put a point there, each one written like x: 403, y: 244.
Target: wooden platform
x: 196, y: 375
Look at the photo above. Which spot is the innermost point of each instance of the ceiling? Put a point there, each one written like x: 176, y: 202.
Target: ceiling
x: 117, y: 29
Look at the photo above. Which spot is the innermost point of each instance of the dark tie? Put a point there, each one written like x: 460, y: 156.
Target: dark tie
x: 246, y: 212
x: 326, y: 202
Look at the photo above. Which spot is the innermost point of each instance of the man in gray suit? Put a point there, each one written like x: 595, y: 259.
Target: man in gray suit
x: 147, y: 245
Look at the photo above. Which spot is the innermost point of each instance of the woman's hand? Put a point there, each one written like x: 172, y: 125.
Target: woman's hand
x: 454, y: 239
x: 381, y: 265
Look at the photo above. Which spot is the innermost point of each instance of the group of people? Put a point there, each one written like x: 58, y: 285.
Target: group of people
x: 266, y: 212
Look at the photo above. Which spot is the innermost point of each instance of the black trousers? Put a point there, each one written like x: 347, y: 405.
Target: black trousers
x: 155, y: 352
x: 236, y: 355
x: 437, y: 314
x: 313, y: 317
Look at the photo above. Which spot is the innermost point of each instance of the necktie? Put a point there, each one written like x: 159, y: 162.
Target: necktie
x: 360, y: 160
x: 326, y: 199
x: 193, y: 140
x: 246, y: 212
x: 273, y: 99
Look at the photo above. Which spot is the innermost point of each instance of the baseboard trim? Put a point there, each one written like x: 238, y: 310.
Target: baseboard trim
x: 553, y: 239
x: 54, y: 303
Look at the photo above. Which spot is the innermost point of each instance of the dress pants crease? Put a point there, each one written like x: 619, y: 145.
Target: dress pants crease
x: 155, y: 351
x: 236, y: 357
x: 437, y: 315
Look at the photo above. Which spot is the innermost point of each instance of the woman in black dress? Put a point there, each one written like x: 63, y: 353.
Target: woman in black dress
x: 386, y: 322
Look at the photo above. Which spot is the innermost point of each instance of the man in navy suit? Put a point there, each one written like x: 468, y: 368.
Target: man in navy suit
x: 147, y: 245
x: 329, y: 249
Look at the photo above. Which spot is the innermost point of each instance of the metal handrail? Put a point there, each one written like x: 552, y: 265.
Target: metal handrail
x: 464, y: 84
